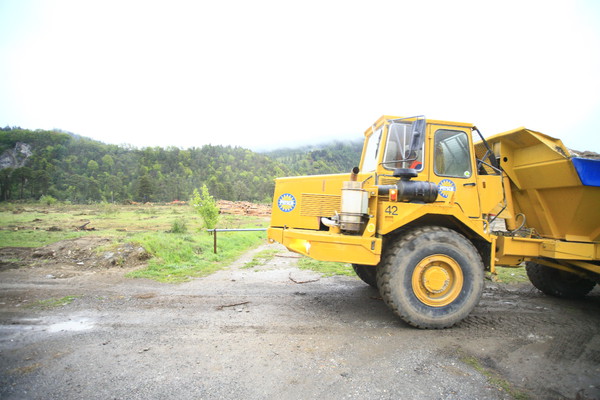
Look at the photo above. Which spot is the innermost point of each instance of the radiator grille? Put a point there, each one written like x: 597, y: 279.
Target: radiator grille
x: 319, y: 205
x: 388, y: 180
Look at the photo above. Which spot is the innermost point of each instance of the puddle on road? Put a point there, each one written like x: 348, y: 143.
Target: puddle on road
x: 72, y: 325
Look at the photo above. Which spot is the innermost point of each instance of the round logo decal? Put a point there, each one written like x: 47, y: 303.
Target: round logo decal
x: 286, y: 202
x: 446, y: 187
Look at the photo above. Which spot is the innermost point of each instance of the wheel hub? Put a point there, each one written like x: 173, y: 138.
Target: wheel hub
x: 437, y: 280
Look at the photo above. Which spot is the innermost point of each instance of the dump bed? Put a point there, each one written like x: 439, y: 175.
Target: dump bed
x: 558, y: 194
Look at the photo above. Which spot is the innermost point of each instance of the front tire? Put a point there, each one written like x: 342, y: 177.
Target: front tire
x: 431, y: 277
x: 557, y: 283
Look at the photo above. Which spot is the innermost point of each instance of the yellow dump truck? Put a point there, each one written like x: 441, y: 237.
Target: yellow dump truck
x: 418, y: 218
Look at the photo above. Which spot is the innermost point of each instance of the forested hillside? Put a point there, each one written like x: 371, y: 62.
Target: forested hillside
x: 72, y: 168
x: 333, y: 158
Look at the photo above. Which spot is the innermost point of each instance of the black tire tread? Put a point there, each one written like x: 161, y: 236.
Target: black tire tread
x: 557, y: 283
x: 394, y: 249
x: 367, y: 273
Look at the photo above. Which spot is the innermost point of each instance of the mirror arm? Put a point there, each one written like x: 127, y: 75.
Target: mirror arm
x: 489, y: 153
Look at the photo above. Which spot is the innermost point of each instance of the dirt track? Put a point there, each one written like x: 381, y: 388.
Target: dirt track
x: 334, y: 338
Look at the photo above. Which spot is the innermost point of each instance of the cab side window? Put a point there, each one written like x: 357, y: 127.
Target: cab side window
x: 452, y: 157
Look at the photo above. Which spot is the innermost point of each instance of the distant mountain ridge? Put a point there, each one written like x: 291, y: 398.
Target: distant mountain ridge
x: 74, y: 168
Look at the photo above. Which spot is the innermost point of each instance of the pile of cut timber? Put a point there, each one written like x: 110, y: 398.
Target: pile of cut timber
x: 244, y: 208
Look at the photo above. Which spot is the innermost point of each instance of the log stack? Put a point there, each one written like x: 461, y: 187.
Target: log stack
x: 244, y: 208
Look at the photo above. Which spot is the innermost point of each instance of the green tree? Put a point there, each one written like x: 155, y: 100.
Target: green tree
x: 41, y: 179
x: 92, y: 167
x: 145, y: 188
x: 108, y: 162
x: 5, y: 183
x: 206, y: 206
x: 111, y: 184
x: 22, y: 176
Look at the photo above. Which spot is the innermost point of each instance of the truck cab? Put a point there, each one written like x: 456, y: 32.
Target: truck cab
x: 308, y: 213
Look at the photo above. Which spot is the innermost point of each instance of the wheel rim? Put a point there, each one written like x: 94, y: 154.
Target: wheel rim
x: 437, y: 280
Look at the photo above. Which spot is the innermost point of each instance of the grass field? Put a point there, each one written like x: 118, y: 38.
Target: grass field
x: 172, y: 235
x: 32, y: 225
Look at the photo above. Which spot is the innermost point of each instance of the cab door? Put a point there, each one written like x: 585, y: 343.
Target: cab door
x: 453, y: 167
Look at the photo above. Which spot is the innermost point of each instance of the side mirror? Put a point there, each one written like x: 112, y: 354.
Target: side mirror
x: 418, y: 131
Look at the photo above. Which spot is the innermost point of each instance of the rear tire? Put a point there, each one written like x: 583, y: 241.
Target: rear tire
x: 557, y: 283
x: 431, y: 277
x: 367, y: 273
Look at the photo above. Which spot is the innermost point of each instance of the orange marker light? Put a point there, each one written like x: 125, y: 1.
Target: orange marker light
x: 393, y: 194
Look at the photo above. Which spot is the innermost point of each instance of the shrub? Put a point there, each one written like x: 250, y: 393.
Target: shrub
x: 179, y: 226
x: 108, y: 209
x: 206, y: 206
x: 48, y: 200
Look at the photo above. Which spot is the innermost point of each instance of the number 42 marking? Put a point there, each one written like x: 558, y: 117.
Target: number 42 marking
x: 392, y: 210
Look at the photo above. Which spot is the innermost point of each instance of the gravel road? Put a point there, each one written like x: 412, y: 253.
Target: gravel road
x: 256, y: 334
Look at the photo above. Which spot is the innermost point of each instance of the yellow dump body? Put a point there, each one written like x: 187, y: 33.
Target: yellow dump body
x: 559, y: 195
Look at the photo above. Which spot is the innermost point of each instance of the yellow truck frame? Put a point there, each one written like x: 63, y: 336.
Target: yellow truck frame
x: 418, y: 219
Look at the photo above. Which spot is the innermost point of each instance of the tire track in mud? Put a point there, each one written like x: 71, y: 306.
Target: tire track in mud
x: 573, y: 346
x: 522, y: 310
x: 513, y: 323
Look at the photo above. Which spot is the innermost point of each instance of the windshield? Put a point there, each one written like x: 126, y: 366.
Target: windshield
x: 404, y: 147
x: 372, y: 149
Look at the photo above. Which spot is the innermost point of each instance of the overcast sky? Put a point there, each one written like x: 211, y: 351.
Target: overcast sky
x: 263, y: 74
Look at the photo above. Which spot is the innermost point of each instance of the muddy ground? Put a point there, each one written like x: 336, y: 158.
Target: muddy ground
x: 257, y: 334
